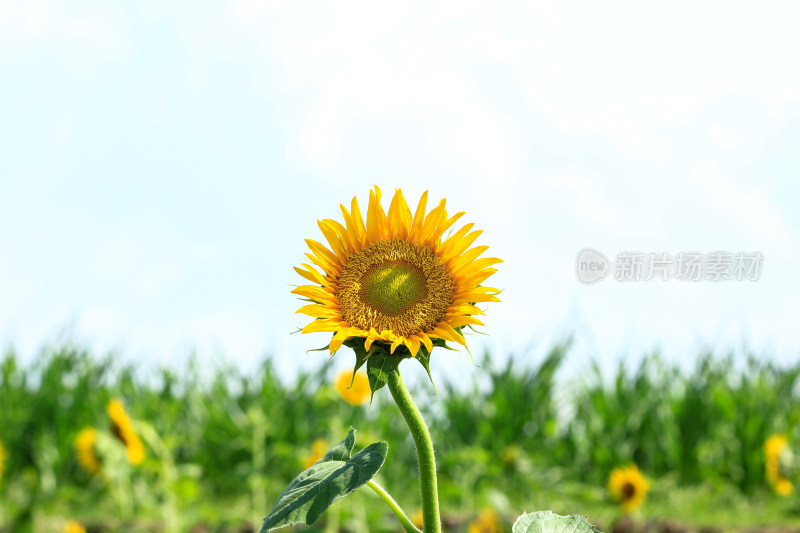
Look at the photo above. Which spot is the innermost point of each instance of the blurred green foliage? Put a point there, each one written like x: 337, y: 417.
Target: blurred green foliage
x: 506, y: 437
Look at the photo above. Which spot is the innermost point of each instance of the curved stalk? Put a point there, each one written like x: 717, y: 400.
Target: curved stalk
x: 424, y: 444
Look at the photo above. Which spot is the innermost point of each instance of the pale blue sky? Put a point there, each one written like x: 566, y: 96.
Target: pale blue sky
x: 161, y: 163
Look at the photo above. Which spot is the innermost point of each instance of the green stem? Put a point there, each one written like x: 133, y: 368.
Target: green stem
x: 398, y: 512
x: 168, y: 475
x: 427, y: 461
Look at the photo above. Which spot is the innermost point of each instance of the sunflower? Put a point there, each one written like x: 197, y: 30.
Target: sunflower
x: 628, y: 486
x: 122, y: 426
x: 87, y: 453
x: 74, y: 527
x: 416, y: 519
x: 318, y: 450
x: 2, y: 459
x: 396, y: 279
x: 486, y: 522
x: 353, y: 388
x: 778, y: 456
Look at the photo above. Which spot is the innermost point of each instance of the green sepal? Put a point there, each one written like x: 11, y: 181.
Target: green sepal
x: 334, y: 476
x: 323, y: 349
x: 443, y: 344
x: 549, y: 522
x: 380, y: 364
x: 357, y: 345
x: 424, y: 358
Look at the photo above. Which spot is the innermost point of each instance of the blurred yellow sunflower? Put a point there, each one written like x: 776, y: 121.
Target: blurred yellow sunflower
x: 354, y: 389
x: 395, y: 279
x: 629, y: 487
x: 122, y: 427
x: 416, y: 519
x: 73, y: 527
x: 2, y: 459
x: 318, y: 450
x: 486, y: 522
x: 778, y: 452
x: 85, y: 448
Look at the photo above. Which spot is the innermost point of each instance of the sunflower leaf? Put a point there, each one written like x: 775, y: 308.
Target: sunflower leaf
x: 549, y: 522
x: 334, y: 476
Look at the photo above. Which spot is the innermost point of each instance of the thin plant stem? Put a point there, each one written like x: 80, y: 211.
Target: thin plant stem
x: 424, y: 445
x: 259, y: 492
x: 168, y: 476
x: 398, y: 512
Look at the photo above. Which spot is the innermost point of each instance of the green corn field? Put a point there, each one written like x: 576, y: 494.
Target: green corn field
x: 221, y: 445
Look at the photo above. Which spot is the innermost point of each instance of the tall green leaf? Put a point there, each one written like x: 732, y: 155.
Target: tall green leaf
x: 333, y: 477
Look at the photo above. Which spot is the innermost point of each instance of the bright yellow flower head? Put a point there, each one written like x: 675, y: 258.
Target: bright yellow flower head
x: 318, y: 450
x: 486, y: 522
x: 395, y: 279
x: 122, y: 426
x: 354, y: 389
x: 85, y: 448
x: 629, y: 487
x: 777, y: 450
x: 73, y: 527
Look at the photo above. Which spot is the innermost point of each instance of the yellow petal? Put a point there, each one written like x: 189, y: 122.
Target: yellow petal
x: 352, y: 232
x: 480, y: 264
x: 372, y: 336
x: 447, y: 223
x: 463, y: 321
x: 324, y: 325
x: 485, y: 290
x: 311, y: 274
x: 474, y: 298
x: 342, y: 233
x: 358, y: 221
x: 454, y: 239
x: 443, y: 331
x: 334, y: 241
x: 466, y: 258
x: 397, y: 342
x: 322, y: 252
x: 315, y: 293
x: 318, y: 311
x: 412, y: 343
x: 453, y: 253
x: 426, y: 341
x: 330, y: 270
x: 464, y: 309
x: 376, y: 218
x: 337, y: 340
x: 419, y: 216
x: 427, y: 235
x: 455, y: 334
x: 399, y: 216
x: 474, y: 280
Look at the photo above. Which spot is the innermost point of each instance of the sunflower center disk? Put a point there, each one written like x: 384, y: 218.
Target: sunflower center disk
x: 392, y: 288
x: 396, y: 286
x: 628, y: 490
